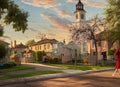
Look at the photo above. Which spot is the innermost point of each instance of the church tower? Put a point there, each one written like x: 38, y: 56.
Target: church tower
x: 80, y: 17
x: 80, y: 13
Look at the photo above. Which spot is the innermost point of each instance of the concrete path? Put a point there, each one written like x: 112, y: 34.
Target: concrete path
x: 66, y: 73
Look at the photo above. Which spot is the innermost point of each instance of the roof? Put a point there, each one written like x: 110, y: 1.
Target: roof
x: 28, y: 51
x: 21, y: 46
x: 80, y: 6
x: 52, y: 41
x: 4, y: 42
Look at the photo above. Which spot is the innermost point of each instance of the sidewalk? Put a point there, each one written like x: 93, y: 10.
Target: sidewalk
x: 65, y: 73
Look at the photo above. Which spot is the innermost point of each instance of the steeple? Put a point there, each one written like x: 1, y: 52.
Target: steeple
x: 80, y: 13
x: 79, y: 6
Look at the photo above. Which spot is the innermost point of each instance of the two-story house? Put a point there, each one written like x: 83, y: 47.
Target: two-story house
x: 47, y: 45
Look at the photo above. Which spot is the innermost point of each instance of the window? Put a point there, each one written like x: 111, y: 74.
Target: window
x: 45, y: 46
x: 40, y: 47
x: 48, y: 47
x: 76, y: 16
x: 82, y: 16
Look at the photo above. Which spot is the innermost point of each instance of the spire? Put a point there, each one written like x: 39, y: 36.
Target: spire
x: 79, y: 6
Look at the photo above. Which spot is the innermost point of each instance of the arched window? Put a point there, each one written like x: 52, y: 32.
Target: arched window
x: 76, y: 16
x: 82, y: 16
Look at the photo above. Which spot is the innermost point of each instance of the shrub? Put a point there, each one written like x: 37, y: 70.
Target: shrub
x: 85, y: 60
x: 7, y: 65
x: 39, y: 55
x: 111, y: 52
x: 3, y: 50
x: 54, y: 60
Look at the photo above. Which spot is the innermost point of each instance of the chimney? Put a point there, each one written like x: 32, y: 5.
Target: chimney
x: 14, y: 43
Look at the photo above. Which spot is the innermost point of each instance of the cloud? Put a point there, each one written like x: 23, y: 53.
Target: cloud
x: 51, y: 34
x: 62, y: 13
x: 5, y: 37
x: 34, y: 30
x: 58, y: 23
x: 92, y: 3
x: 42, y: 3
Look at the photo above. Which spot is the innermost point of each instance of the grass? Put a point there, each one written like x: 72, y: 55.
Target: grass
x: 79, y: 67
x: 16, y: 68
x: 29, y: 74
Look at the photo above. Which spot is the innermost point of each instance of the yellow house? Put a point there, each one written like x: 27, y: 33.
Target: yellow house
x: 47, y: 45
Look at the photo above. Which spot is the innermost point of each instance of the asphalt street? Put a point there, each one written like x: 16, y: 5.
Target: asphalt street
x: 99, y: 79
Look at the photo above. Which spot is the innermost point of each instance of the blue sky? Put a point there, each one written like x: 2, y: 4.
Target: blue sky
x: 51, y: 17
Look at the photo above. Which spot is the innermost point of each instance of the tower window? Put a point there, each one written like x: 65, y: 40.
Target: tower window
x: 82, y: 16
x: 76, y: 16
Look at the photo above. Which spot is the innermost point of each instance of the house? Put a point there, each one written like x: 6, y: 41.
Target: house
x: 69, y: 53
x: 28, y: 56
x: 46, y: 45
x: 17, y: 49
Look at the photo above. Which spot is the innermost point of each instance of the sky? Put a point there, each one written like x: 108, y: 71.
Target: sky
x: 52, y: 18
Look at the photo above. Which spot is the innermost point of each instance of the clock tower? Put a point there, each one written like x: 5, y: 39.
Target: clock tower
x: 80, y: 13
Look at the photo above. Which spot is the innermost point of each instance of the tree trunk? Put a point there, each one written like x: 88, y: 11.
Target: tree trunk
x: 96, y: 53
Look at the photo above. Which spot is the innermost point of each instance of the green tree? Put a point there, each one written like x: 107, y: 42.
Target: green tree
x: 12, y: 14
x: 3, y: 50
x: 39, y: 55
x: 112, y: 13
x: 30, y: 42
x: 1, y: 31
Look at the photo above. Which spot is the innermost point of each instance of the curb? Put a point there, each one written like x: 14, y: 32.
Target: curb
x: 48, y: 76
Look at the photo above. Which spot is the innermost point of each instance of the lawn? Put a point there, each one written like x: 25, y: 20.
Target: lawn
x: 16, y: 68
x: 79, y: 67
x: 29, y: 74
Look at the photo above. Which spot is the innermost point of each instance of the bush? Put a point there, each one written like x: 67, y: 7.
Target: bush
x: 7, y: 65
x: 3, y: 50
x: 111, y: 52
x: 54, y: 60
x: 39, y: 55
x: 85, y: 60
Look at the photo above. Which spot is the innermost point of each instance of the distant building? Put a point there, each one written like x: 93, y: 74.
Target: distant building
x: 22, y: 52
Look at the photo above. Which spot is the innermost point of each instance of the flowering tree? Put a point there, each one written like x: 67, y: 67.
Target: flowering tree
x: 87, y: 31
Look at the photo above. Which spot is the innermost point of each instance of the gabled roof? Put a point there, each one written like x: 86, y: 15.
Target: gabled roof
x: 21, y: 46
x: 28, y: 51
x: 44, y: 41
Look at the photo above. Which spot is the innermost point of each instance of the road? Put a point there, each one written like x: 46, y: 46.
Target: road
x: 99, y: 79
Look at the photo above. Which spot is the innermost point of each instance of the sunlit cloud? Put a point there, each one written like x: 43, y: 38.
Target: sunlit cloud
x: 92, y: 3
x: 58, y: 23
x: 51, y: 34
x: 62, y: 13
x: 5, y: 37
x: 42, y: 3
